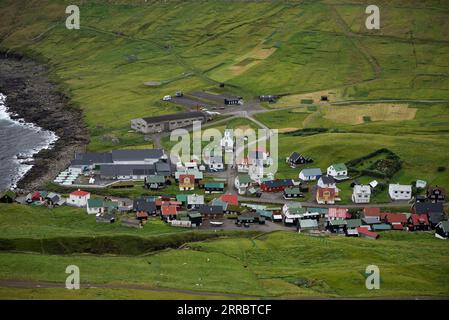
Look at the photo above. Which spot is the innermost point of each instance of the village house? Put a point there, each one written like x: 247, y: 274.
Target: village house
x: 351, y: 226
x: 336, y: 225
x: 311, y: 174
x: 231, y: 199
x: 293, y: 215
x: 361, y: 194
x: 307, y: 225
x: 169, y: 212
x: 197, y: 174
x: 338, y: 213
x: 434, y: 211
x: 219, y: 202
x: 194, y: 201
x: 95, y: 206
x: 442, y: 230
x: 211, y: 212
x: 296, y: 159
x: 418, y: 222
x: 214, y: 187
x: 154, y: 182
x: 105, y: 218
x: 53, y: 199
x: 242, y: 183
x: 398, y: 221
x: 436, y: 194
x: 364, y: 232
x: 292, y: 193
x: 78, y: 198
x: 278, y: 185
x: 338, y: 171
x: 145, y: 205
x: 186, y: 182
x: 327, y: 182
x: 233, y: 101
x: 369, y: 212
x: 325, y: 195
x: 400, y: 192
x: 381, y: 227
x: 168, y: 122
x: 268, y: 98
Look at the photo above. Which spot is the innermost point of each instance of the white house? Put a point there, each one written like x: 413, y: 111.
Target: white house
x: 78, y: 198
x: 327, y: 182
x: 338, y: 171
x: 95, y: 206
x: 400, y: 191
x: 242, y: 183
x: 361, y: 194
x: 194, y: 200
x: 311, y: 174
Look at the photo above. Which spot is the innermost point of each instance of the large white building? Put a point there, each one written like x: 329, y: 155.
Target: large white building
x: 361, y: 194
x: 400, y: 191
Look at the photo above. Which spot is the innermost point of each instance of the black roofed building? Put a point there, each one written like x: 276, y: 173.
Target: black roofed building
x: 126, y: 171
x: 297, y: 159
x: 90, y: 160
x: 167, y: 122
x: 211, y: 211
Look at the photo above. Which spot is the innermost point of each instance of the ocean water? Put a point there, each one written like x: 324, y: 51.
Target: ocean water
x: 19, y: 141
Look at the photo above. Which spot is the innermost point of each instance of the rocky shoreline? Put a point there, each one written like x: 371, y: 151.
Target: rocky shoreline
x: 34, y: 98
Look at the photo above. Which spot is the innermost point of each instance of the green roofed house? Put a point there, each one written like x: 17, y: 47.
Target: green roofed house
x: 214, y: 187
x: 292, y: 193
x: 336, y: 226
x: 242, y: 182
x: 181, y: 198
x: 338, y: 171
x: 95, y: 206
x: 154, y: 182
x: 353, y: 223
x: 307, y: 224
x: 7, y: 197
x: 219, y: 202
x: 266, y: 214
x: 195, y: 218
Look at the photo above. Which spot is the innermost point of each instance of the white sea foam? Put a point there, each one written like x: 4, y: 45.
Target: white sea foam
x: 26, y: 156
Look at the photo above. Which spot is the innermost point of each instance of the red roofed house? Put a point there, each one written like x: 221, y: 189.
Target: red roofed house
x: 397, y: 220
x: 231, y: 199
x: 371, y: 212
x: 186, y: 182
x: 338, y: 213
x: 325, y: 195
x: 36, y: 196
x: 367, y: 234
x: 419, y: 222
x: 78, y: 198
x: 169, y: 212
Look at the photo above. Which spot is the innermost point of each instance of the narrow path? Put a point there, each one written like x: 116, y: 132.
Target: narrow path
x: 25, y: 284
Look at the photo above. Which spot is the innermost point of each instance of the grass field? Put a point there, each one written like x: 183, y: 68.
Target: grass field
x: 277, y: 264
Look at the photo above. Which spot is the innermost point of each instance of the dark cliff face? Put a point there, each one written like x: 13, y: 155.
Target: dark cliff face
x: 34, y: 98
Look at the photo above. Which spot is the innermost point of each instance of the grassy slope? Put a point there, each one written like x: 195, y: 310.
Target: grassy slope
x: 410, y: 265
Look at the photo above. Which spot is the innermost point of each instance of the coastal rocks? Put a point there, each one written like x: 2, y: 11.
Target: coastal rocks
x: 33, y: 98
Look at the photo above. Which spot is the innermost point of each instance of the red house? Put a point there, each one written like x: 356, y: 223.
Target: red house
x: 371, y: 212
x: 364, y: 232
x: 419, y: 222
x: 338, y: 213
x: 276, y: 185
x: 231, y: 199
x: 397, y: 220
x: 169, y: 212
